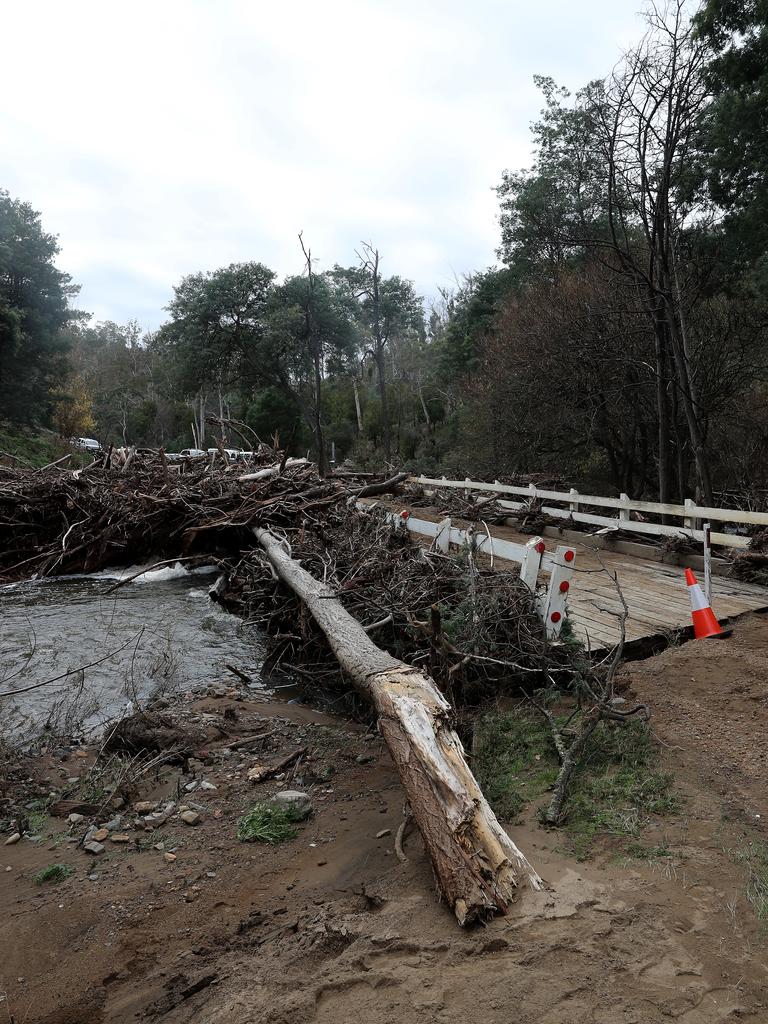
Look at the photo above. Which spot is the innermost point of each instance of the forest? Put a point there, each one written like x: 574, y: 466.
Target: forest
x: 621, y: 339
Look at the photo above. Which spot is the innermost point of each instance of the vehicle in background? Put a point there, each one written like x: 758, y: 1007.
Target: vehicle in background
x: 85, y: 444
x: 192, y: 453
x: 232, y: 453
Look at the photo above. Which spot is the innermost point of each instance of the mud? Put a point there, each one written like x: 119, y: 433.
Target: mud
x: 331, y: 927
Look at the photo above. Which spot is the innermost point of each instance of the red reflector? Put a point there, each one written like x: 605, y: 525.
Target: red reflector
x: 541, y: 547
x: 555, y: 616
x: 564, y: 586
x: 569, y: 556
x: 405, y: 514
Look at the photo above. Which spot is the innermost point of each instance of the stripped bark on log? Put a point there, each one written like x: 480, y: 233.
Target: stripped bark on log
x: 476, y: 864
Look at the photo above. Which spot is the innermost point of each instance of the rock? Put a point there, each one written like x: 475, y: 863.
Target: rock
x: 145, y: 806
x: 191, y: 787
x: 120, y: 837
x: 207, y: 785
x: 114, y: 824
x: 299, y: 803
x: 75, y: 819
x: 90, y: 834
x: 13, y: 838
x: 384, y: 832
x: 169, y: 858
x: 81, y: 753
x: 100, y: 835
x: 254, y: 774
x: 365, y: 758
x: 190, y: 817
x: 94, y: 847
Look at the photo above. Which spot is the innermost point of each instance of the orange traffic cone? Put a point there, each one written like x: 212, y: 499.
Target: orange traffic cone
x: 704, y: 622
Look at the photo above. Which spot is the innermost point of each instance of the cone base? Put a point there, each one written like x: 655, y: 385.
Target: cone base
x: 722, y: 635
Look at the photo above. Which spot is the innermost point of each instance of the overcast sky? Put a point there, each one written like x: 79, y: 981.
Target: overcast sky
x: 166, y: 137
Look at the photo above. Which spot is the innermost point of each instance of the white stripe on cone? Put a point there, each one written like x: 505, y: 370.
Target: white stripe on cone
x: 696, y: 594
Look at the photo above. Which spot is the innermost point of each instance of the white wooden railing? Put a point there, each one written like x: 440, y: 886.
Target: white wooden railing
x: 691, y: 514
x: 533, y: 557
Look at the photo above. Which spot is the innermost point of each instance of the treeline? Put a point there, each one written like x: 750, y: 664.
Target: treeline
x: 622, y: 341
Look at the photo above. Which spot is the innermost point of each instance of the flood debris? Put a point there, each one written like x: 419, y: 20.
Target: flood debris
x: 342, y: 592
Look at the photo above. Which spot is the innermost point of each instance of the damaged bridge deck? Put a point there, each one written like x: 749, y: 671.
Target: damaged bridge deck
x: 655, y: 591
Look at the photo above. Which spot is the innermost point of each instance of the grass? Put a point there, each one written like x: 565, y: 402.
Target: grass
x: 265, y: 823
x: 35, y: 449
x: 53, y: 874
x: 614, y: 791
x: 755, y: 857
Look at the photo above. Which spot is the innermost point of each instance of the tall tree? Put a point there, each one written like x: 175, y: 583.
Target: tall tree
x: 386, y: 309
x: 737, y: 122
x: 34, y: 297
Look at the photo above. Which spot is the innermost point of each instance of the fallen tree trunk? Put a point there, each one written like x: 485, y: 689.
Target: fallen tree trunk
x: 385, y: 487
x: 475, y: 862
x: 270, y: 471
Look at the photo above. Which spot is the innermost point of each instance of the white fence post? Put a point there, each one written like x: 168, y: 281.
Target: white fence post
x: 557, y: 593
x: 531, y: 565
x: 708, y: 562
x: 573, y: 504
x: 624, y: 512
x: 690, y: 520
x: 443, y: 537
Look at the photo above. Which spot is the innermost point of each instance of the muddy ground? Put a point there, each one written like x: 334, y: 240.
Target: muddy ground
x: 331, y: 927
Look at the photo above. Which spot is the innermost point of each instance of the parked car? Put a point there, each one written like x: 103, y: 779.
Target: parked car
x: 192, y: 453
x: 233, y: 453
x: 85, y: 444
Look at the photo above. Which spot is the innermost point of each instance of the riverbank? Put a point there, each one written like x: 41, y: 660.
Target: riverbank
x: 331, y: 926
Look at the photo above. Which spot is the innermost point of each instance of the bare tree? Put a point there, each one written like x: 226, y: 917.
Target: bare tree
x: 648, y: 116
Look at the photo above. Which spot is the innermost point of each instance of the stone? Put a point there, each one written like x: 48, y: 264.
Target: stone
x: 299, y: 803
x: 190, y: 817
x: 365, y: 758
x: 169, y: 858
x: 145, y: 806
x: 384, y: 832
x: 94, y: 847
x: 100, y: 835
x: 81, y: 753
x: 75, y: 819
x: 114, y: 824
x: 255, y: 773
x: 13, y: 838
x: 191, y: 787
x: 207, y: 785
x: 120, y: 837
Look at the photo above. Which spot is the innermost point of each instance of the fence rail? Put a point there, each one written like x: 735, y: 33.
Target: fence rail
x: 689, y: 511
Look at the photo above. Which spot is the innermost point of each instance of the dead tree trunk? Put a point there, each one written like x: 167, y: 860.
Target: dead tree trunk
x: 475, y: 862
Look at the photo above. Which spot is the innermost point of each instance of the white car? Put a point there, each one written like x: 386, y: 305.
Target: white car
x: 85, y: 444
x: 232, y: 453
x: 192, y: 453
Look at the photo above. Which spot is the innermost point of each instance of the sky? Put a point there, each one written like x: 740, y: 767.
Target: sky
x: 169, y: 137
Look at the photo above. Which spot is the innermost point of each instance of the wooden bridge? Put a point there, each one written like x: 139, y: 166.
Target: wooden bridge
x: 655, y: 591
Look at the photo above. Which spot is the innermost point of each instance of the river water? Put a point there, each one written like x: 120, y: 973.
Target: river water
x: 159, y: 633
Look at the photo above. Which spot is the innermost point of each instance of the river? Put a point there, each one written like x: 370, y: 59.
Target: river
x: 158, y: 633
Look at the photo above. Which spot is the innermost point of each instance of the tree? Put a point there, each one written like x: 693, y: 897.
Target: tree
x: 620, y: 172
x: 386, y: 308
x: 217, y: 323
x: 736, y: 125
x: 34, y: 297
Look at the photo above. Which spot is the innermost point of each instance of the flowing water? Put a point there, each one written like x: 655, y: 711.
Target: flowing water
x: 160, y: 632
